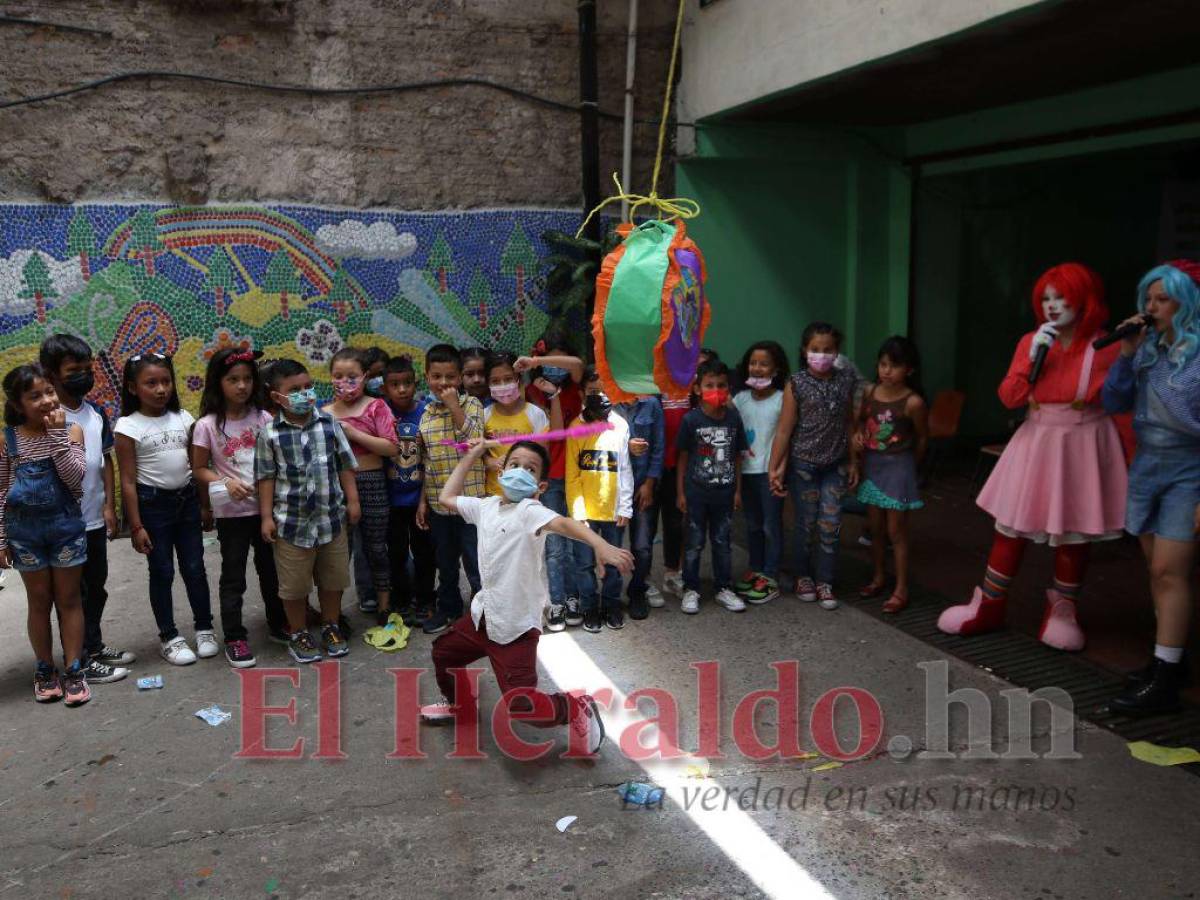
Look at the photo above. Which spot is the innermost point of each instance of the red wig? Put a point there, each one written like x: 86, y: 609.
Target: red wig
x: 1082, y: 288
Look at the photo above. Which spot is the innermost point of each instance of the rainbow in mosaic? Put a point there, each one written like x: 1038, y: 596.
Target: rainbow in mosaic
x: 295, y: 282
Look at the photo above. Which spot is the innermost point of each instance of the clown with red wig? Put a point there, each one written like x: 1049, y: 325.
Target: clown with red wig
x: 1062, y: 478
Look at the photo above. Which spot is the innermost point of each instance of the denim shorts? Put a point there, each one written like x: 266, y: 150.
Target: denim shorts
x: 1164, y: 490
x: 57, y: 541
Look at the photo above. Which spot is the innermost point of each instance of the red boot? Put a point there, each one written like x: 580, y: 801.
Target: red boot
x: 982, y: 614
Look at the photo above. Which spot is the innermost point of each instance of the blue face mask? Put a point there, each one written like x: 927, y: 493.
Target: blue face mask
x: 555, y: 375
x: 374, y: 386
x: 518, y: 484
x: 301, y: 403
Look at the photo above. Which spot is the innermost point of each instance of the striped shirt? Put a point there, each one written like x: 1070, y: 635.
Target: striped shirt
x: 440, y: 460
x: 304, y: 461
x: 70, y: 463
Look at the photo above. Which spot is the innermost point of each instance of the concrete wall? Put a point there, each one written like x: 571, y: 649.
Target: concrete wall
x: 738, y: 51
x: 434, y: 149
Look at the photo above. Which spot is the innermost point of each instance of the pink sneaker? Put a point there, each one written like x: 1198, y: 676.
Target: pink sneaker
x: 1059, y: 628
x: 980, y: 615
x: 437, y: 713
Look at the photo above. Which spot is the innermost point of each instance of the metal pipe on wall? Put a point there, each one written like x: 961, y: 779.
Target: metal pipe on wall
x: 627, y: 136
x: 589, y: 115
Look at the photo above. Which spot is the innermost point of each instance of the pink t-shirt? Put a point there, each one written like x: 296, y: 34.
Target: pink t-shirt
x: 231, y: 454
x: 376, y: 420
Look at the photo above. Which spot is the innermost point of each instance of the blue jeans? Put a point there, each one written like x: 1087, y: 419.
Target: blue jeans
x: 708, y: 518
x: 764, y: 524
x: 560, y: 559
x: 585, y: 569
x: 817, y: 493
x: 453, y: 540
x: 172, y: 521
x: 642, y: 528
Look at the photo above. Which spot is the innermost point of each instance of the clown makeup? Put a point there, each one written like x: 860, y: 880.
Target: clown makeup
x: 1057, y: 309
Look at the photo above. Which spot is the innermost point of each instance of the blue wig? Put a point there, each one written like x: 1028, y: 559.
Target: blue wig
x: 1186, y: 323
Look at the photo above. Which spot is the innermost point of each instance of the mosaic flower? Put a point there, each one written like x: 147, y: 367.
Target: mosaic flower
x: 195, y: 383
x: 320, y: 342
x: 223, y: 338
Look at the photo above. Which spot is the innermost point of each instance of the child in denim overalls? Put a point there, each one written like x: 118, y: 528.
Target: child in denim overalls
x: 42, y: 533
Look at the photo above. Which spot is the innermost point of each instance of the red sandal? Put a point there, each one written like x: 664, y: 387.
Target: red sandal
x: 873, y: 590
x: 895, y: 604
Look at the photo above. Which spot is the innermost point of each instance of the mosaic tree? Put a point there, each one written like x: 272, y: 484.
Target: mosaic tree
x: 37, y: 285
x: 220, y: 279
x: 281, y: 279
x: 340, y: 297
x: 479, y: 294
x: 517, y: 260
x: 81, y: 242
x: 144, y: 242
x: 441, y: 262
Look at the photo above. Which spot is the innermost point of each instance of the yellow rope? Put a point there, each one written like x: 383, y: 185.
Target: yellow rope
x: 673, y: 207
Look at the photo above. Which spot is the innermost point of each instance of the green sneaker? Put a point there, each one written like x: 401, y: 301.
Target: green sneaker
x: 763, y: 590
x: 747, y: 583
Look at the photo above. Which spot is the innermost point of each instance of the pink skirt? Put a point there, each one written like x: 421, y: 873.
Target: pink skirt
x: 1063, y: 473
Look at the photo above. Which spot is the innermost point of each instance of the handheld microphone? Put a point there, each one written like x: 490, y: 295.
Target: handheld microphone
x: 1144, y: 321
x: 1039, y: 360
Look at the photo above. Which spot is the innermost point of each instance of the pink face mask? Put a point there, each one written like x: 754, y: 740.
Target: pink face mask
x: 759, y: 384
x: 348, y: 389
x: 821, y: 362
x: 505, y: 393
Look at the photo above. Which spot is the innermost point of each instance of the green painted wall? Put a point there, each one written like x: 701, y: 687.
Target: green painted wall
x: 798, y: 225
x: 803, y: 223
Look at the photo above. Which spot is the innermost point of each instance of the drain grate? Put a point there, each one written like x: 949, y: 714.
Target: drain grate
x: 1026, y: 662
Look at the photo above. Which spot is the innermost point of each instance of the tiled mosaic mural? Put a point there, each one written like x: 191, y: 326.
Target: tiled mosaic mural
x: 292, y: 281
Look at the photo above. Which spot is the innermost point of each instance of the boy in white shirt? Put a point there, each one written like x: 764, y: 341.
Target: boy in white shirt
x: 505, y: 618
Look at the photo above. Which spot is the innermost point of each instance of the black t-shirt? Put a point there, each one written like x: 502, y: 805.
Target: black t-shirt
x: 712, y: 446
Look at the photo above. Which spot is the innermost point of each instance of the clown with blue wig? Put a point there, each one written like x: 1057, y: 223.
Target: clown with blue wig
x: 1157, y: 376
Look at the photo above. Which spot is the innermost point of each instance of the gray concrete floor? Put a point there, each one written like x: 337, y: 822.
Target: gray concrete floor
x: 132, y: 796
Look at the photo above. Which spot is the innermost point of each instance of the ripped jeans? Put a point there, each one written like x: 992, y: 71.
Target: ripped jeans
x: 817, y: 493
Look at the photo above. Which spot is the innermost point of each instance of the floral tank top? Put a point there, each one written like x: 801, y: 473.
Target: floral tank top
x: 889, y: 429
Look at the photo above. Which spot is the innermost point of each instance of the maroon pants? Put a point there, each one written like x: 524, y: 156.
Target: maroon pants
x: 515, y: 665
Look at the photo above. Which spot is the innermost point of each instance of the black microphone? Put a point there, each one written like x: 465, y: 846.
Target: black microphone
x: 1039, y: 360
x: 1144, y: 321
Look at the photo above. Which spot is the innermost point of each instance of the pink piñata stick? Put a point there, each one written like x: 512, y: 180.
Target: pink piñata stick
x: 561, y: 435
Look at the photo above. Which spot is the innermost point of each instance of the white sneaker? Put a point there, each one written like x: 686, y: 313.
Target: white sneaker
x: 654, y: 596
x: 673, y: 582
x: 825, y: 595
x: 730, y: 600
x: 690, y: 603
x: 585, y: 722
x: 177, y: 652
x: 206, y: 644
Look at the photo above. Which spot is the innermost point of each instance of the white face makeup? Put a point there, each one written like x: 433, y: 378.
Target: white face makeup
x: 1056, y: 308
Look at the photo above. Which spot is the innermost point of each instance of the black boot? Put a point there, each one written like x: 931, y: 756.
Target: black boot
x: 1145, y: 674
x: 1160, y: 694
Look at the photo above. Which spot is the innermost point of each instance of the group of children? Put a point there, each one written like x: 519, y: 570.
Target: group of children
x: 407, y: 490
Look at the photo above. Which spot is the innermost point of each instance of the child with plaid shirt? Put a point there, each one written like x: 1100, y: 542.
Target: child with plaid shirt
x: 305, y: 472
x: 449, y: 416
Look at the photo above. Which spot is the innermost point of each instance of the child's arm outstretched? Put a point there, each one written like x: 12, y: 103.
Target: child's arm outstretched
x: 573, y: 364
x: 606, y: 553
x: 458, y: 478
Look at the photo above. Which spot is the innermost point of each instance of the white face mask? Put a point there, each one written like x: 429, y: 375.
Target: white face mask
x: 1057, y: 310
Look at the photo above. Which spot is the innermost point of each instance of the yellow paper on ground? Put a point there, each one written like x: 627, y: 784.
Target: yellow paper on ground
x: 1158, y: 755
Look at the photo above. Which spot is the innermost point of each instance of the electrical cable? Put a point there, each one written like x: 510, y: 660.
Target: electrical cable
x: 313, y: 91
